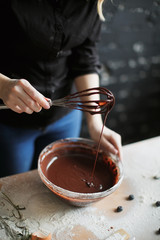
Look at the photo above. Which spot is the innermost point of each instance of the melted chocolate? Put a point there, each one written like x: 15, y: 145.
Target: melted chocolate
x: 71, y: 169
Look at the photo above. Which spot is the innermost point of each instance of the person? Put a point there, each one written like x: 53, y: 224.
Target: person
x: 46, y: 47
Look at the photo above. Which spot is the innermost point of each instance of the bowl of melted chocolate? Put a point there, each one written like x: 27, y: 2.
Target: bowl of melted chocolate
x: 76, y: 172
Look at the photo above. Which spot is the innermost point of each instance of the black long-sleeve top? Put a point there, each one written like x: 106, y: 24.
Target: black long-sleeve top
x: 48, y: 43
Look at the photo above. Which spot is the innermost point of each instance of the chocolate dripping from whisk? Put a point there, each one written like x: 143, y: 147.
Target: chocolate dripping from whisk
x: 108, y: 108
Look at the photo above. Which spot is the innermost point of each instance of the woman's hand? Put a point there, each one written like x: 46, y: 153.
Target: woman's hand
x: 21, y: 96
x: 110, y: 140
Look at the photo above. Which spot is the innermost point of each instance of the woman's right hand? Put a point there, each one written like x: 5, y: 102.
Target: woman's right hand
x: 21, y: 96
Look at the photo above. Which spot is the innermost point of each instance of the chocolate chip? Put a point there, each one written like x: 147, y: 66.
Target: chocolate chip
x: 119, y: 209
x: 131, y: 197
x: 156, y: 177
x: 158, y: 231
x: 158, y: 204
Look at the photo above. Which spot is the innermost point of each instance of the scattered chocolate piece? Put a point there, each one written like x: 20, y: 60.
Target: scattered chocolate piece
x: 131, y: 197
x: 158, y: 204
x: 119, y: 209
x: 156, y: 177
x: 158, y: 231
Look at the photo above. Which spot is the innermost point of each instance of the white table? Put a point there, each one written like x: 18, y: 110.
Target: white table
x: 140, y: 217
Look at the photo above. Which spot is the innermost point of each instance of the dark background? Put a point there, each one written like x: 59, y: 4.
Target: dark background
x: 130, y: 55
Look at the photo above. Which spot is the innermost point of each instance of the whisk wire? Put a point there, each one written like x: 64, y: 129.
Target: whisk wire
x: 75, y: 101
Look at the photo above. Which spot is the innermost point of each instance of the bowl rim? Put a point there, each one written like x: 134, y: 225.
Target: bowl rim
x: 72, y: 194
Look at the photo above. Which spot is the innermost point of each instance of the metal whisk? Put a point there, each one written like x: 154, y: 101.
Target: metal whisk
x: 78, y: 101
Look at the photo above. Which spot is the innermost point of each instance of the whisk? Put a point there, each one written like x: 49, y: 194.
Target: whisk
x: 77, y: 101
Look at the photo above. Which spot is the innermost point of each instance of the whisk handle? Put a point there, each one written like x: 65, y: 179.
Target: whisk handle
x: 2, y: 106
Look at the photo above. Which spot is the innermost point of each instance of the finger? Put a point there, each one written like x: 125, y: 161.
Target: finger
x: 20, y: 107
x: 34, y: 94
x: 115, y: 140
x: 29, y: 102
x: 38, y: 107
x: 17, y: 109
x: 109, y: 146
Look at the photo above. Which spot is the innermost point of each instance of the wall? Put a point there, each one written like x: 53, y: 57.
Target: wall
x: 130, y: 56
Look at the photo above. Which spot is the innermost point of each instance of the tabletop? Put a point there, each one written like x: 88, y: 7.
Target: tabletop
x: 42, y: 210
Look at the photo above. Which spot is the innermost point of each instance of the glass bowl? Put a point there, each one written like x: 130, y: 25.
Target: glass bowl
x: 76, y: 146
